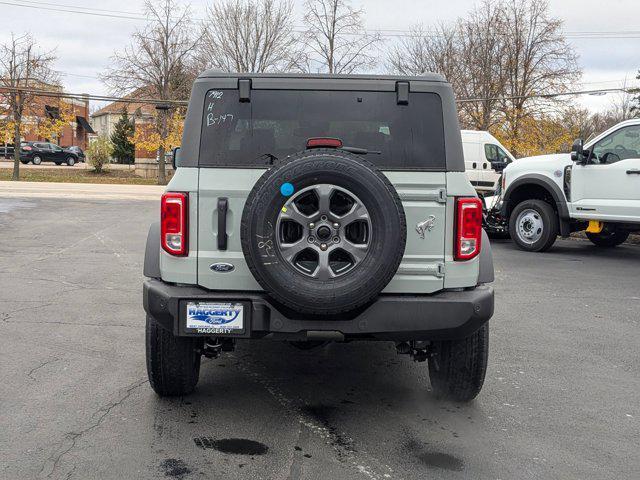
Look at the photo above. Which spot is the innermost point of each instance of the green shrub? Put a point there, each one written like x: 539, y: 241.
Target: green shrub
x: 99, y: 153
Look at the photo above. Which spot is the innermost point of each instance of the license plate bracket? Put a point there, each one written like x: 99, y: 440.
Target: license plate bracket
x: 219, y: 318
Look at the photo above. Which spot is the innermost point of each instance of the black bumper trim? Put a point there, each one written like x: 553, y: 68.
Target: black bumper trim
x: 444, y: 315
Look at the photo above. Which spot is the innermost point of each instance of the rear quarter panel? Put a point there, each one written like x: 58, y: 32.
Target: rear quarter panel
x: 183, y: 269
x: 457, y: 274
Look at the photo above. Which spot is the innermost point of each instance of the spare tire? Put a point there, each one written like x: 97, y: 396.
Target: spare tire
x: 324, y: 232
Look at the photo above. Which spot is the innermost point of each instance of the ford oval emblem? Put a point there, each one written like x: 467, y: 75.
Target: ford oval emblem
x: 222, y: 267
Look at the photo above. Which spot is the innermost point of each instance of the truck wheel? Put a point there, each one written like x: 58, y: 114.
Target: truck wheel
x: 457, y: 367
x: 173, y: 363
x: 533, y: 225
x: 608, y: 237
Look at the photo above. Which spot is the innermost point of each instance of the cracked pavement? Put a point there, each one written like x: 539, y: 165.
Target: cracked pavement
x: 560, y: 399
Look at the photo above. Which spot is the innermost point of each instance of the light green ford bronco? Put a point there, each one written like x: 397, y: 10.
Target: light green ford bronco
x: 316, y: 208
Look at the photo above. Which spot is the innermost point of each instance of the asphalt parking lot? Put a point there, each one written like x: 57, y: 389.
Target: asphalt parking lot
x: 560, y: 399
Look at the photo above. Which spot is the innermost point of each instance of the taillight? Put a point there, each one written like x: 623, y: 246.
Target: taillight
x: 173, y: 223
x: 468, y: 228
x: 324, y: 143
x: 27, y: 148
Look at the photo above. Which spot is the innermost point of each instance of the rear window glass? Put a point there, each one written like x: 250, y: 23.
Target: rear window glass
x: 278, y: 123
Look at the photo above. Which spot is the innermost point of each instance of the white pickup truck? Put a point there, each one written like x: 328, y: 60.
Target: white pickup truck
x: 594, y: 188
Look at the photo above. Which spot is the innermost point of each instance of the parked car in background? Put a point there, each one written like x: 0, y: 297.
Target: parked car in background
x: 38, y: 152
x: 482, y: 151
x: 78, y: 151
x: 595, y: 189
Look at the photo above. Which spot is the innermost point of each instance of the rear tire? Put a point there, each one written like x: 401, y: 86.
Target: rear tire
x: 458, y: 367
x: 173, y: 363
x: 608, y: 237
x: 534, y: 225
x: 37, y: 160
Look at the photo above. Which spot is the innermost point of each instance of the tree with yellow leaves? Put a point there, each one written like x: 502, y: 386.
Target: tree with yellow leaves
x: 6, y: 127
x: 51, y: 124
x: 23, y: 69
x: 536, y: 135
x: 149, y: 137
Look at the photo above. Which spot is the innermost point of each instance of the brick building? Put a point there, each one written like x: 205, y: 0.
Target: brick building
x: 76, y: 132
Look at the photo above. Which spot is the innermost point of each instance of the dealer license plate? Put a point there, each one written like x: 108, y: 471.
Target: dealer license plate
x: 222, y: 318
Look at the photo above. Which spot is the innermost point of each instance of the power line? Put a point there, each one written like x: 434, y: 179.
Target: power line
x: 383, y: 31
x: 57, y: 9
x: 622, y: 81
x: 98, y: 98
x: 76, y: 7
x: 400, y: 33
x: 547, y: 95
x: 179, y: 103
x: 69, y: 74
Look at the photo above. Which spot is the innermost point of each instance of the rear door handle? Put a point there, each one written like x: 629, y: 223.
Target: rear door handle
x: 633, y: 172
x: 223, y: 205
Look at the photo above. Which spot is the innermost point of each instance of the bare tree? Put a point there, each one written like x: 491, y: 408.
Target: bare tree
x: 620, y: 108
x: 622, y: 105
x: 483, y: 74
x: 335, y: 38
x: 157, y: 62
x: 468, y: 53
x: 23, y: 67
x: 249, y: 36
x: 636, y: 99
x: 426, y: 51
x: 538, y: 60
x: 497, y: 57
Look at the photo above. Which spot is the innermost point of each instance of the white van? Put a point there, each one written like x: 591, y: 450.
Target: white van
x: 480, y: 150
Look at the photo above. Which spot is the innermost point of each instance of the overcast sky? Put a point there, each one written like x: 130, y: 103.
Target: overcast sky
x: 84, y: 43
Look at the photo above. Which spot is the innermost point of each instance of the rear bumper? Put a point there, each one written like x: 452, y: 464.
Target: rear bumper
x: 445, y: 315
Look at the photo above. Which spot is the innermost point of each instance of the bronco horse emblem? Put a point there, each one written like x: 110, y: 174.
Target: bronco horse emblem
x: 426, y: 226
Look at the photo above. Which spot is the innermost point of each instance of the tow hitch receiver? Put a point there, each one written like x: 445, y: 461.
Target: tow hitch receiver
x: 213, y: 346
x: 418, y: 350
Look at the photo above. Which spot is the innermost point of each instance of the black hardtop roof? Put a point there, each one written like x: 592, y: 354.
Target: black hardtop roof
x: 425, y: 77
